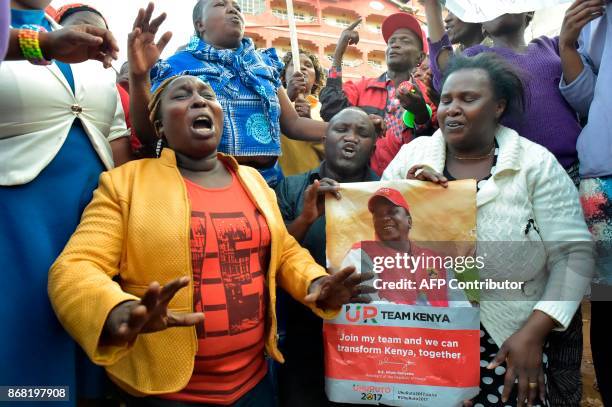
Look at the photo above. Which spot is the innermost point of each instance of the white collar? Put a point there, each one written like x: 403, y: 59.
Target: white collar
x: 509, y: 159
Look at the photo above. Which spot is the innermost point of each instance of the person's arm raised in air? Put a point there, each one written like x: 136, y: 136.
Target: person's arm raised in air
x: 349, y: 36
x: 143, y: 53
x: 435, y: 23
x: 440, y: 49
x: 336, y: 96
x: 296, y: 127
x: 579, y: 77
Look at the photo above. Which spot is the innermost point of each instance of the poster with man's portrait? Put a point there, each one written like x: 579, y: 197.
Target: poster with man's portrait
x: 414, y: 341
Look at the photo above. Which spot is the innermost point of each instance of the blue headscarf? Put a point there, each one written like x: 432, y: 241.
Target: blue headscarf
x: 235, y: 75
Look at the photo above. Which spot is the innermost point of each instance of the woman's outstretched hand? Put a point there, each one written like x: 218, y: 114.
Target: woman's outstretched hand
x: 337, y: 289
x: 151, y: 314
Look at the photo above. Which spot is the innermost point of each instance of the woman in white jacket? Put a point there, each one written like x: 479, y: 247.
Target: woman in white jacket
x: 61, y: 126
x: 529, y: 223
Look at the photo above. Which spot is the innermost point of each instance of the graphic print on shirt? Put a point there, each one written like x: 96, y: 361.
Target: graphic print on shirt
x: 235, y: 262
x: 198, y: 249
x: 230, y: 242
x: 233, y: 233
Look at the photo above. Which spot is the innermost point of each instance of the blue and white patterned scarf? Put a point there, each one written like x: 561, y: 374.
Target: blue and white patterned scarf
x: 234, y: 75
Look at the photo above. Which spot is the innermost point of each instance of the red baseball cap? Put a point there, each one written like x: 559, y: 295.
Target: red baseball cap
x: 403, y: 20
x: 392, y: 195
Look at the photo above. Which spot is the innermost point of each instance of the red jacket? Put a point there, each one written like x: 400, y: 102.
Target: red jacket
x: 370, y: 94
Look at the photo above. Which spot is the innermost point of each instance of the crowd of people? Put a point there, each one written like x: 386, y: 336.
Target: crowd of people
x: 163, y: 226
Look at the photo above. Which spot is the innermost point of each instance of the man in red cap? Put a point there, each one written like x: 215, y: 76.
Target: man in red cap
x: 392, y: 224
x: 391, y: 216
x: 404, y: 102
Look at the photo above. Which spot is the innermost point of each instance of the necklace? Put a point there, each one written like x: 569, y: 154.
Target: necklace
x: 482, y: 157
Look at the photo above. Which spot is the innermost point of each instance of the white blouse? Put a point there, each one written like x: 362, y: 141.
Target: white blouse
x: 552, y: 256
x: 38, y: 108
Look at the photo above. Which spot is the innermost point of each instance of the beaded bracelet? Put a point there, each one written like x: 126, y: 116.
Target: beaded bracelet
x: 30, y: 47
x: 409, y: 117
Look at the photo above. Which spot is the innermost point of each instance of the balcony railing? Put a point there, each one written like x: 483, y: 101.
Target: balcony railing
x: 337, y: 22
x: 354, y: 63
x: 299, y: 17
x: 376, y: 29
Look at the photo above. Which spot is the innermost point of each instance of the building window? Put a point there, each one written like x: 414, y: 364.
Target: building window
x: 252, y: 6
x: 279, y: 13
x: 342, y: 22
x: 299, y: 16
x: 354, y: 63
x: 375, y: 28
x: 337, y: 21
x: 304, y: 18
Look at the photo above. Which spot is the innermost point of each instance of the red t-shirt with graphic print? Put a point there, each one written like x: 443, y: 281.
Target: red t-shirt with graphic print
x: 230, y: 245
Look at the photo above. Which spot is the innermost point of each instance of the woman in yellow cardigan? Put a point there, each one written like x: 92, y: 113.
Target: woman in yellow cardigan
x: 170, y: 279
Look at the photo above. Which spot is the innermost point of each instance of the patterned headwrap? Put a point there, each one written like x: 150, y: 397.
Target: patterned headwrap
x: 69, y: 9
x: 155, y: 102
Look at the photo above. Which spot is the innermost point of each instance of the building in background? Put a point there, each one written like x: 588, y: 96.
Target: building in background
x: 319, y: 24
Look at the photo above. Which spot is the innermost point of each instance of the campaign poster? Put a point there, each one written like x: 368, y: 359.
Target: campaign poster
x: 417, y: 343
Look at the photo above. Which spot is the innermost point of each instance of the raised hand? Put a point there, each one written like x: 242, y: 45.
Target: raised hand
x: 579, y: 14
x: 296, y: 86
x: 348, y: 37
x: 79, y: 43
x: 380, y: 126
x: 143, y: 52
x: 314, y: 198
x: 435, y: 22
x: 412, y: 100
x: 331, y: 292
x: 151, y: 314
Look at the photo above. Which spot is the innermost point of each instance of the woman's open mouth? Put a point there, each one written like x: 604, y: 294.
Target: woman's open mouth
x: 203, y: 125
